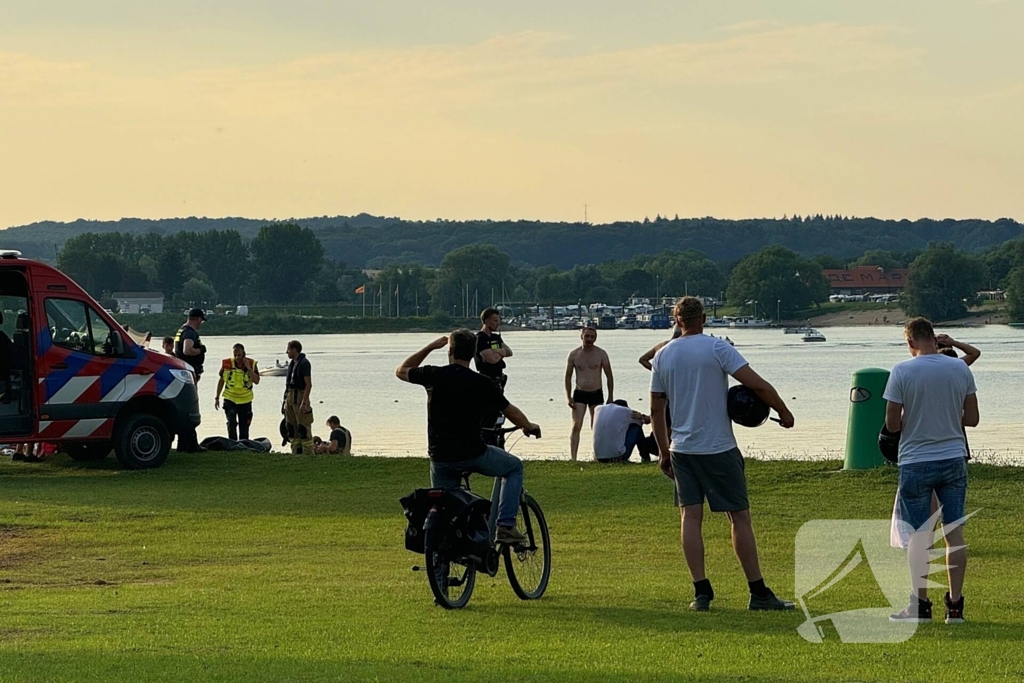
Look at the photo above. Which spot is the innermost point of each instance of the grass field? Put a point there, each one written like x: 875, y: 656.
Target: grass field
x: 275, y: 568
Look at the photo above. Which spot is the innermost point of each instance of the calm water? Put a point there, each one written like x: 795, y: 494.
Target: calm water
x: 353, y: 377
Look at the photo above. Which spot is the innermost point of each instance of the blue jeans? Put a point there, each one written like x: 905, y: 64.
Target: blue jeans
x: 947, y: 478
x: 634, y: 433
x: 493, y: 463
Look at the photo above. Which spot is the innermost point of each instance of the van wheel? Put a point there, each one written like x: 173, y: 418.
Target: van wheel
x: 87, y: 451
x: 142, y: 442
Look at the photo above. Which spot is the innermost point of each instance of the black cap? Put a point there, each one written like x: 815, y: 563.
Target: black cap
x: 197, y: 313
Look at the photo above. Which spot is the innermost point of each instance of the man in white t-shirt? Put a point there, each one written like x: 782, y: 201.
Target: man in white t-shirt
x: 618, y: 430
x: 691, y: 374
x: 931, y: 398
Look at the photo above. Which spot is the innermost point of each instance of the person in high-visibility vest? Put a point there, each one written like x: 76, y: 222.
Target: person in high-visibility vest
x: 238, y: 375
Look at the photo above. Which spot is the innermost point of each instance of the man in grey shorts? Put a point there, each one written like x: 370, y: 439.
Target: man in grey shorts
x: 692, y: 374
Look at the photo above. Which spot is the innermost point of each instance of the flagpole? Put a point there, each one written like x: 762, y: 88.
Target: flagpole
x: 364, y: 301
x: 398, y: 304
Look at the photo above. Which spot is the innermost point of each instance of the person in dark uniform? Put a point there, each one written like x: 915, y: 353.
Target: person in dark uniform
x: 491, y: 350
x: 297, y: 411
x: 189, y: 348
x: 340, y: 440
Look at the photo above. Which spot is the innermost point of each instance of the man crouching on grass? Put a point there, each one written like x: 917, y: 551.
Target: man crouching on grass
x: 692, y: 374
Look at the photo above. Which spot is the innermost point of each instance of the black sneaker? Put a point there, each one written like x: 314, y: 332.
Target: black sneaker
x: 701, y: 603
x: 954, y: 610
x: 917, y: 612
x: 769, y: 603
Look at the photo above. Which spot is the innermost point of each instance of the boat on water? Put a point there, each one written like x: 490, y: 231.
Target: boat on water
x: 728, y: 341
x: 628, y: 322
x: 717, y: 322
x: 749, y: 323
x: 659, y: 320
x: 606, y: 322
x: 277, y: 370
x: 813, y: 335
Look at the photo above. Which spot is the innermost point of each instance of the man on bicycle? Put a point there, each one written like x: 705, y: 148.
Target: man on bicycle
x: 457, y: 401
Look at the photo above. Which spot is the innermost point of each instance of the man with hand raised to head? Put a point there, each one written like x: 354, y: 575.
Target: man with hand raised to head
x: 458, y: 400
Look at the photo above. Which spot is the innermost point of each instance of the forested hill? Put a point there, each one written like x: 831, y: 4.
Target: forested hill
x: 375, y: 241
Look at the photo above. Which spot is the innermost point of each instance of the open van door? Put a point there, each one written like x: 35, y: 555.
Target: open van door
x: 17, y: 371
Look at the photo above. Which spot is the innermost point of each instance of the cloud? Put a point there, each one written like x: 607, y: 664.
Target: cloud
x: 515, y: 69
x: 754, y: 25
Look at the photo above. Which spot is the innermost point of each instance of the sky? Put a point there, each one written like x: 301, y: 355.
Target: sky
x: 537, y: 110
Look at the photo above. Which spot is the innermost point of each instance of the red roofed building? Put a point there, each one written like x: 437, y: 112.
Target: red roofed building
x: 867, y: 280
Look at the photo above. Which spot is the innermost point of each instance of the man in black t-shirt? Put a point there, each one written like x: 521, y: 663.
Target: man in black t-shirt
x: 491, y: 350
x: 189, y: 348
x: 457, y: 401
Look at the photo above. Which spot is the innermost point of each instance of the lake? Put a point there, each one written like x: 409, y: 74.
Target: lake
x: 353, y: 378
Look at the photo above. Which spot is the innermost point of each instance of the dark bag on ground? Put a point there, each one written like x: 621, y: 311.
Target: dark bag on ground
x: 461, y: 512
x: 223, y: 443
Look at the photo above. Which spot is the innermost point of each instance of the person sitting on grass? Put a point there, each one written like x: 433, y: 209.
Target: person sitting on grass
x: 618, y: 430
x: 340, y: 441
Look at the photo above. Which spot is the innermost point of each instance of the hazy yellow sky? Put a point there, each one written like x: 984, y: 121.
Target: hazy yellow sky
x: 464, y: 109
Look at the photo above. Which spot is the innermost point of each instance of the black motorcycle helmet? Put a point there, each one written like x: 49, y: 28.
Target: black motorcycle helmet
x: 746, y: 407
x: 889, y: 444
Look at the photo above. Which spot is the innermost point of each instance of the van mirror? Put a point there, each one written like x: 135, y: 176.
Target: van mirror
x: 117, y: 344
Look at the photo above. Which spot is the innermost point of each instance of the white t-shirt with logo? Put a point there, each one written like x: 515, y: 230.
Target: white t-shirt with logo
x: 610, y: 424
x: 932, y: 389
x: 693, y: 372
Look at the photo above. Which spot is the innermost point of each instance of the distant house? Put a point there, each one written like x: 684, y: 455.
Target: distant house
x: 139, y: 302
x: 867, y: 280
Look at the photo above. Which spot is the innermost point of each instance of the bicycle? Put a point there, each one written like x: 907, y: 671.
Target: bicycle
x: 457, y: 540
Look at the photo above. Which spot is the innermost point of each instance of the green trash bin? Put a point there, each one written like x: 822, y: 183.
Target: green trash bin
x: 867, y: 415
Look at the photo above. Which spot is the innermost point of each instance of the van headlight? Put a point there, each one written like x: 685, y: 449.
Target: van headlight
x: 184, y: 376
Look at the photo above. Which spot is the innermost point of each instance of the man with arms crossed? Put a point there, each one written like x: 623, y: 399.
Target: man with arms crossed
x: 587, y: 361
x: 931, y: 398
x: 692, y: 374
x: 491, y: 350
x: 457, y: 400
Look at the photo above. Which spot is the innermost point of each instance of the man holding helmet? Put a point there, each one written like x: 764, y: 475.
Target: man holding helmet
x: 701, y: 456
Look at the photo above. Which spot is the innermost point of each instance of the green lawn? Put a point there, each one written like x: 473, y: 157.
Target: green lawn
x: 265, y: 567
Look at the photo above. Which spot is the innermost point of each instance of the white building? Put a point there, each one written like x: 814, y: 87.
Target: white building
x: 139, y: 302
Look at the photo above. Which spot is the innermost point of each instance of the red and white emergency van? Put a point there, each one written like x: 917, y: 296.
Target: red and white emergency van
x: 70, y: 374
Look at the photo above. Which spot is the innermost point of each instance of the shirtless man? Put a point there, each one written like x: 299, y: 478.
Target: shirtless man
x: 587, y: 361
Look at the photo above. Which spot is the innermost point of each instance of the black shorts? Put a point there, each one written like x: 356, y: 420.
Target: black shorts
x: 719, y: 477
x: 588, y: 398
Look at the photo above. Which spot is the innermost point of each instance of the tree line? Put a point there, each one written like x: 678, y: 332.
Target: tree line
x: 283, y: 263
x: 286, y: 263
x: 365, y: 241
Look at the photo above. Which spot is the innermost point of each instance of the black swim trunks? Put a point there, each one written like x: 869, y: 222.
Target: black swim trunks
x: 589, y: 398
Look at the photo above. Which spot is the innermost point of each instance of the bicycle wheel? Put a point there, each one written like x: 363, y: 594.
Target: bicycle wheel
x: 529, y: 565
x: 450, y: 582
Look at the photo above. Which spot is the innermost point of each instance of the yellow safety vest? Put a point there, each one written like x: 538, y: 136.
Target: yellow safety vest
x: 237, y: 385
